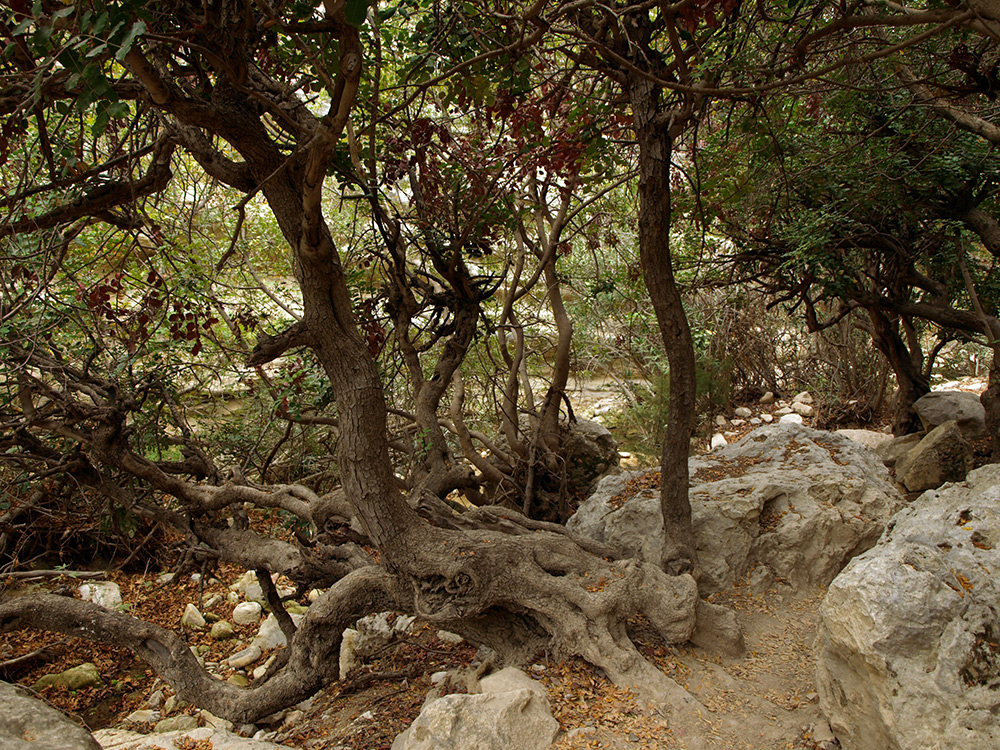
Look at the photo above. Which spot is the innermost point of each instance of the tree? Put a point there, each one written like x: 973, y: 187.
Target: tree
x: 883, y: 234
x: 112, y: 97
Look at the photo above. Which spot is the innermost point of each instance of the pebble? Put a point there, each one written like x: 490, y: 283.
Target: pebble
x: 448, y: 637
x: 766, y: 418
x: 175, y: 723
x: 743, y: 413
x: 806, y: 410
x: 767, y: 398
x: 192, y: 618
x: 142, y: 716
x: 222, y: 631
x: 244, y: 658
x: 247, y: 613
x: 718, y: 440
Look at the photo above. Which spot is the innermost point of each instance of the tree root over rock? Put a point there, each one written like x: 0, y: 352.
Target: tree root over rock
x: 517, y: 591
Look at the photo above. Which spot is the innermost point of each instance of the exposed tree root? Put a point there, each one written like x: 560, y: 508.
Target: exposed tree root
x: 313, y: 659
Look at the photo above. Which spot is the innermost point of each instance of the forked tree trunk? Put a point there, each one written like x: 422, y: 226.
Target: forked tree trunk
x: 652, y: 128
x: 911, y: 383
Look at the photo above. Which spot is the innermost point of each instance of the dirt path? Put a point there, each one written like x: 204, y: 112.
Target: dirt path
x: 764, y: 700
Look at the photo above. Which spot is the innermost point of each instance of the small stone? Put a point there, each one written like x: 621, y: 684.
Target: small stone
x: 175, y: 723
x: 804, y: 409
x: 213, y: 721
x: 244, y: 658
x: 213, y: 600
x: 259, y: 672
x: 767, y: 398
x: 222, y: 631
x: 155, y: 701
x: 781, y: 411
x: 314, y: 594
x: 102, y: 593
x: 721, y: 421
x: 403, y: 624
x: 766, y: 418
x: 247, y: 730
x: 438, y: 677
x: 738, y: 422
x: 247, y: 613
x: 164, y: 578
x: 293, y: 717
x: 238, y: 680
x: 232, y: 597
x: 537, y: 667
x: 803, y: 398
x: 75, y: 678
x: 142, y: 716
x: 192, y: 618
x: 211, y: 617
x: 271, y: 635
x: 756, y: 421
x: 718, y: 441
x: 171, y: 705
x: 449, y: 637
x: 196, y: 577
x: 294, y: 608
x: 743, y: 413
x: 791, y: 419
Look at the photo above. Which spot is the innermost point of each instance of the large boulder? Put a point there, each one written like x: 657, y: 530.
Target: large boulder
x: 890, y: 452
x: 907, y: 646
x: 28, y: 724
x: 512, y: 713
x: 966, y: 409
x: 801, y: 501
x: 943, y: 455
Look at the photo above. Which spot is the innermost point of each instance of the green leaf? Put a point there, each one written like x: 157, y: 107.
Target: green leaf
x: 138, y: 28
x: 356, y: 12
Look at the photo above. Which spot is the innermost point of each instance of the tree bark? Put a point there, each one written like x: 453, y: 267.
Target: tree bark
x: 652, y: 128
x: 910, y: 381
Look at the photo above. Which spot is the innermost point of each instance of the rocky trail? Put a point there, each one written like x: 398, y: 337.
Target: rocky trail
x: 778, y: 512
x: 764, y: 700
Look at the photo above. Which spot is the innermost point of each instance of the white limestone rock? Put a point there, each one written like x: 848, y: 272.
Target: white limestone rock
x: 270, y: 634
x: 801, y: 501
x: 868, y: 438
x: 907, y: 654
x: 28, y: 724
x: 966, y: 409
x: 105, y: 594
x: 247, y: 613
x: 512, y: 713
x: 217, y: 739
x: 803, y: 409
x: 192, y: 618
x: 943, y: 455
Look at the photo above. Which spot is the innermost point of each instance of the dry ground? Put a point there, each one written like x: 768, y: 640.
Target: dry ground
x: 764, y: 700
